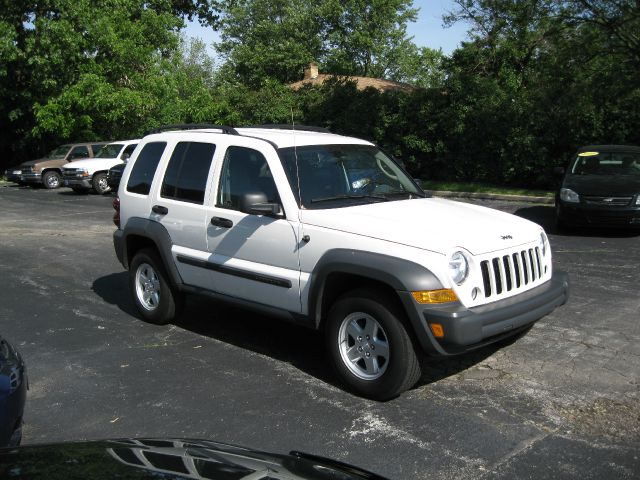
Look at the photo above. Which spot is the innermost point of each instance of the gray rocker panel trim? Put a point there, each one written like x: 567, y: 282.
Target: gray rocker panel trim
x: 400, y: 274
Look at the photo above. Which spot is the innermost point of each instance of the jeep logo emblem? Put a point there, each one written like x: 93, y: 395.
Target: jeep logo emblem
x: 506, y: 237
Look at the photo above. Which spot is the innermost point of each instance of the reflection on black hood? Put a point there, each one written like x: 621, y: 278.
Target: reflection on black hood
x: 11, y: 367
x: 166, y: 459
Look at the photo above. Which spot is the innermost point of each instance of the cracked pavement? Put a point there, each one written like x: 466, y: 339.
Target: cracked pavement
x: 562, y: 401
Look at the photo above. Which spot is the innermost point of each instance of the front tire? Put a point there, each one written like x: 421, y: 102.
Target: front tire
x: 156, y: 300
x: 100, y: 184
x: 51, y: 179
x: 369, y: 345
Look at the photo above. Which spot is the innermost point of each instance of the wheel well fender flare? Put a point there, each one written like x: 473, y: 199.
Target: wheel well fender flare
x: 396, y: 273
x: 141, y: 232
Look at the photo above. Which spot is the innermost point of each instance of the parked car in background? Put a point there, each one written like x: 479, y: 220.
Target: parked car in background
x: 13, y: 394
x: 91, y: 174
x: 47, y: 171
x: 601, y: 187
x: 173, y: 458
x: 114, y: 175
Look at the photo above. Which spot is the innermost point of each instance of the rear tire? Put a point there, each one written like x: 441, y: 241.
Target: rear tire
x: 100, y: 184
x: 369, y: 345
x: 156, y: 300
x: 51, y: 179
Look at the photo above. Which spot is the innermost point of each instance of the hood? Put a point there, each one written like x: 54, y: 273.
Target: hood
x: 31, y: 163
x: 168, y: 458
x: 603, y: 185
x: 94, y: 164
x: 433, y: 224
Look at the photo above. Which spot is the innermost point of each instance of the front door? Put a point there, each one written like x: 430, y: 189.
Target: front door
x: 254, y: 257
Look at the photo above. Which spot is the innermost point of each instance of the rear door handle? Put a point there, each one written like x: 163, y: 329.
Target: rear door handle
x: 160, y: 209
x: 221, y: 222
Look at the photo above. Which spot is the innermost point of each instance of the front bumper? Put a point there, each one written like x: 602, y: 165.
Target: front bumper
x: 469, y: 328
x: 13, y: 175
x: 33, y: 177
x: 579, y: 214
x: 84, y: 182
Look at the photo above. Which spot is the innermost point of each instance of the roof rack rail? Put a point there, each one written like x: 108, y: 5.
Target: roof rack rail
x: 288, y: 126
x: 193, y: 126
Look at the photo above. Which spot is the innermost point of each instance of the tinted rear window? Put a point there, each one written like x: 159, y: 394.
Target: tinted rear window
x: 145, y: 168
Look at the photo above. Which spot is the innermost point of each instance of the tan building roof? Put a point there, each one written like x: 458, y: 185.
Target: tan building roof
x: 313, y: 77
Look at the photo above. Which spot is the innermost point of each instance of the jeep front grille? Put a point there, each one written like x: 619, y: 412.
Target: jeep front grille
x: 511, y: 271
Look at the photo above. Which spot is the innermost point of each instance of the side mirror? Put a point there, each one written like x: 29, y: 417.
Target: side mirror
x: 256, y: 203
x: 125, y: 156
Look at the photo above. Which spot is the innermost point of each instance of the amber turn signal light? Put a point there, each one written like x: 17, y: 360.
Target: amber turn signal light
x: 435, y: 296
x: 437, y: 330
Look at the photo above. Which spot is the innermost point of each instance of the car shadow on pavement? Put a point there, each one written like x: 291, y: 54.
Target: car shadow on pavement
x: 296, y: 345
x: 301, y: 347
x: 113, y: 289
x: 287, y: 342
x: 545, y: 216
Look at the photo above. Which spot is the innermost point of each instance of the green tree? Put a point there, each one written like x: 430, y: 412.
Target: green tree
x: 537, y: 79
x: 271, y: 39
x: 74, y: 69
x: 276, y: 39
x: 368, y: 37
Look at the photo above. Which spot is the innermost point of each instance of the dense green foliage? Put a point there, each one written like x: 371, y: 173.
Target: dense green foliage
x: 535, y: 80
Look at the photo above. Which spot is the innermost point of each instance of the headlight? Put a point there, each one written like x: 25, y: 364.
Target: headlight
x: 83, y: 172
x: 544, y: 242
x: 638, y: 199
x: 568, y: 195
x: 458, y: 267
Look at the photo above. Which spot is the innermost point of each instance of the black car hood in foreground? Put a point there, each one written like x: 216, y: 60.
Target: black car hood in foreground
x: 166, y: 459
x: 603, y: 185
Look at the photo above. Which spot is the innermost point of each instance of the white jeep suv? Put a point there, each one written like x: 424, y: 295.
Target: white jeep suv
x: 329, y: 232
x: 91, y: 173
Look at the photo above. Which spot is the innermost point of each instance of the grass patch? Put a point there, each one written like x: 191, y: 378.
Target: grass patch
x: 482, y: 188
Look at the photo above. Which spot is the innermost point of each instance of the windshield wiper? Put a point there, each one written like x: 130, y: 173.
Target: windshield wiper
x: 348, y: 197
x: 397, y: 193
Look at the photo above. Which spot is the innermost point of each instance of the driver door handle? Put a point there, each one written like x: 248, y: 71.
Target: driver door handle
x: 160, y: 209
x: 221, y: 222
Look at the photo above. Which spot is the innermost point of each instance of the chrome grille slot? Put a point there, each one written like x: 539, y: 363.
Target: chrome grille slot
x: 511, y: 272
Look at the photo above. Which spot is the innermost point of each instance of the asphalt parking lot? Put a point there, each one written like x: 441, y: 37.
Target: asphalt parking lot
x: 563, y: 401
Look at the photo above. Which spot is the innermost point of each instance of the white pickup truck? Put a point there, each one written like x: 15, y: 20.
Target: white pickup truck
x: 91, y: 173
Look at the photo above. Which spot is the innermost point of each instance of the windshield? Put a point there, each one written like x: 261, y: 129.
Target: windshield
x: 59, y: 152
x: 110, y: 151
x: 606, y: 163
x: 338, y: 175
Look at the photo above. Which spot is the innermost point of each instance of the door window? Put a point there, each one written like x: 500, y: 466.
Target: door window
x: 96, y: 148
x: 186, y: 175
x: 244, y: 171
x: 79, y: 152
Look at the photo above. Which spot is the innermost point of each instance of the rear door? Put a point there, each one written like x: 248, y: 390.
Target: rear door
x: 178, y: 204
